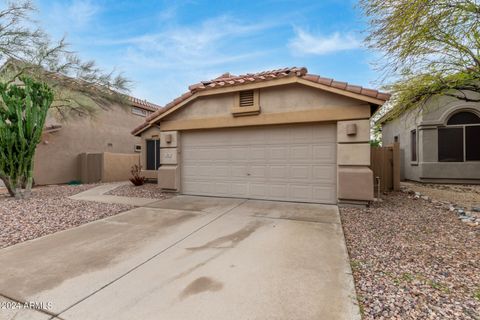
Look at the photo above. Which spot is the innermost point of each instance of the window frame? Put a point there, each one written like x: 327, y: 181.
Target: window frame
x: 156, y: 160
x: 414, y: 146
x: 464, y: 140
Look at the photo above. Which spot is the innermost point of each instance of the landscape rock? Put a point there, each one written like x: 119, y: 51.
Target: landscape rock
x: 47, y: 211
x: 417, y: 261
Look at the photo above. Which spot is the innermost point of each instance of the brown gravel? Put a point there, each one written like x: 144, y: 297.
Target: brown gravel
x: 413, y: 259
x: 48, y: 211
x: 461, y: 194
x: 148, y: 190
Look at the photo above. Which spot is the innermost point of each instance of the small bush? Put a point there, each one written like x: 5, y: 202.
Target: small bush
x: 137, y: 179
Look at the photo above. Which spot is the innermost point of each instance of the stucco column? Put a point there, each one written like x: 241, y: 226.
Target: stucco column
x: 169, y: 171
x: 354, y: 177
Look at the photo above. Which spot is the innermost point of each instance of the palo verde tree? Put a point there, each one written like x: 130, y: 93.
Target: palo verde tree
x: 78, y: 88
x: 23, y: 110
x: 430, y: 48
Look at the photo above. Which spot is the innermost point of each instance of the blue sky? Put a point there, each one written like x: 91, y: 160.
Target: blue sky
x: 164, y: 46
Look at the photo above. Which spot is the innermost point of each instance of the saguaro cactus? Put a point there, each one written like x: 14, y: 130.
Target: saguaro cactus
x: 23, y: 110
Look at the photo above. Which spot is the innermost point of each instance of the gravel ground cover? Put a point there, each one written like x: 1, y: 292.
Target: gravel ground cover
x: 413, y: 259
x: 148, y: 190
x: 49, y: 210
x: 465, y: 195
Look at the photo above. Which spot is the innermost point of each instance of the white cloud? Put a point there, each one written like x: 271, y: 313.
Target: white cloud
x: 75, y: 14
x: 171, y: 58
x: 210, y: 43
x: 307, y: 43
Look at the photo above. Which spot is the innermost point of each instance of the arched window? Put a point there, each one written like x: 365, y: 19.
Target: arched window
x: 464, y: 117
x: 460, y: 140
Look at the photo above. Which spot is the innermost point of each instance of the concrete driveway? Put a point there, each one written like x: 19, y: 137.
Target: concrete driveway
x: 187, y: 258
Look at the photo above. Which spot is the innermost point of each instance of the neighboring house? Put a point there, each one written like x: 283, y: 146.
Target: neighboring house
x: 439, y: 144
x: 57, y: 155
x: 275, y: 135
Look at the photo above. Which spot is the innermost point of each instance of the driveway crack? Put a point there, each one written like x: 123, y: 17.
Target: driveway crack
x: 146, y: 261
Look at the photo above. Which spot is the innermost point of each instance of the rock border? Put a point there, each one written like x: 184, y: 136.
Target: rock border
x: 469, y: 216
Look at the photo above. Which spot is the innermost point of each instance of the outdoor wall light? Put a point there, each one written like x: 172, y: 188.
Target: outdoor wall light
x: 351, y: 129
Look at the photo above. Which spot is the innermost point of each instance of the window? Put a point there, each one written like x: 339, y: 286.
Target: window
x: 464, y: 118
x: 450, y: 144
x: 139, y: 112
x: 395, y: 139
x: 413, y: 145
x: 472, y: 144
x: 459, y: 141
x: 137, y: 148
x: 153, y: 154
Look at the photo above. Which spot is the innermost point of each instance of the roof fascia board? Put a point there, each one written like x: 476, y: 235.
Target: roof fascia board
x: 271, y: 83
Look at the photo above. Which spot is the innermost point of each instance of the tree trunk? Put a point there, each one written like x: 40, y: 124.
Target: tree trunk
x: 7, y: 185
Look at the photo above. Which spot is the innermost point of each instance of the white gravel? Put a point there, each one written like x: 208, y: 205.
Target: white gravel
x: 49, y: 210
x: 413, y: 259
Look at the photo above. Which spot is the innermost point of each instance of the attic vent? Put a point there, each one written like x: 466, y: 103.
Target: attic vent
x: 246, y: 98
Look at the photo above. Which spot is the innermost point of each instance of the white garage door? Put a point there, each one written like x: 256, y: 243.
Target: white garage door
x: 290, y: 163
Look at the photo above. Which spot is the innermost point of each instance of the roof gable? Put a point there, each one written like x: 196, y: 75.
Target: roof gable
x: 229, y: 83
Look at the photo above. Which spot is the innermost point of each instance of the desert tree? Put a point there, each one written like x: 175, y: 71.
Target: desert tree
x: 79, y: 88
x: 429, y: 48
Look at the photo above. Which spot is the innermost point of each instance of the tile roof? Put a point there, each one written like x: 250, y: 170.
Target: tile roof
x: 144, y: 104
x: 229, y: 80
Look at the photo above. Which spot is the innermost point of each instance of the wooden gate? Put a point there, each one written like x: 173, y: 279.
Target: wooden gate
x: 385, y: 164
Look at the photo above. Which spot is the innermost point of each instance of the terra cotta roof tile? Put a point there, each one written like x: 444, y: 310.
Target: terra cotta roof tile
x: 228, y: 80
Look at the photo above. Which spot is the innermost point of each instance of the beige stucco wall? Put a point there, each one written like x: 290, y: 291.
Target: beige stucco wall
x: 56, y: 158
x: 117, y: 166
x: 282, y: 100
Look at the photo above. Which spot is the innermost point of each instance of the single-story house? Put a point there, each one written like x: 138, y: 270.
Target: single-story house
x: 439, y: 143
x: 275, y: 135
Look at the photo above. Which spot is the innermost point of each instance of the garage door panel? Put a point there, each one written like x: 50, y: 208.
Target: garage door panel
x: 300, y: 172
x: 239, y: 153
x: 238, y: 171
x: 239, y: 189
x: 324, y: 153
x: 278, y: 191
x: 221, y: 188
x: 301, y: 192
x: 324, y: 193
x: 258, y: 172
x: 278, y: 172
x: 258, y: 190
x: 292, y: 163
x: 278, y: 153
x: 301, y: 153
x: 325, y: 173
x: 198, y: 187
x: 257, y: 154
x: 221, y: 171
